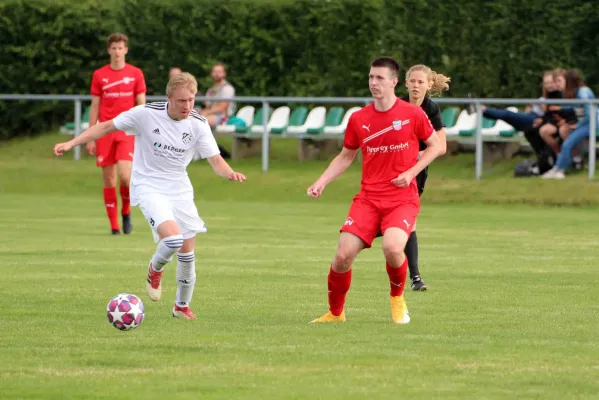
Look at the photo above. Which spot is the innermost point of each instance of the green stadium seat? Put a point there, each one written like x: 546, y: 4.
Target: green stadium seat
x: 314, y: 120
x: 242, y: 120
x: 486, y: 124
x: 297, y: 118
x: 450, y: 116
x: 257, y: 120
x: 333, y: 118
x: 69, y: 127
x: 340, y: 128
x: 279, y: 120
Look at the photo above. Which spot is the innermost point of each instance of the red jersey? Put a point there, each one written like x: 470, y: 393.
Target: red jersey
x: 389, y: 142
x: 117, y: 89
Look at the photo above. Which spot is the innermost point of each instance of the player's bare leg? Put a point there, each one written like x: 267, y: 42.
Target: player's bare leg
x: 124, y: 172
x: 170, y: 243
x: 394, y: 242
x: 339, y: 279
x: 186, y: 279
x: 110, y: 199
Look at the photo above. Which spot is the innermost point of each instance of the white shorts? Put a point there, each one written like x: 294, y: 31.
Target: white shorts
x: 158, y: 208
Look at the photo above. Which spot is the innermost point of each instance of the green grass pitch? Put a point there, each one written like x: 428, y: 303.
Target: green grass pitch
x: 511, y: 312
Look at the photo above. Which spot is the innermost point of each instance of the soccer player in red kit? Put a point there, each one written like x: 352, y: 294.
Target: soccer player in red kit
x: 387, y: 132
x: 115, y: 88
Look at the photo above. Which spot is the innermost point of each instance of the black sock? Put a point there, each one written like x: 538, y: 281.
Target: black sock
x: 412, y: 254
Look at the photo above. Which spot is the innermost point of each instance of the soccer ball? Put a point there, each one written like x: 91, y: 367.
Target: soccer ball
x: 125, y: 311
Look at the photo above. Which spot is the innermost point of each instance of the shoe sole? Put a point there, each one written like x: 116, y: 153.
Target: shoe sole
x: 403, y: 322
x: 152, y: 292
x: 182, y: 316
x: 420, y: 289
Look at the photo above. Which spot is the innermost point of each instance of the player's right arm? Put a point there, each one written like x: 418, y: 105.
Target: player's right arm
x: 340, y: 163
x: 94, y: 111
x: 128, y: 121
x: 93, y: 133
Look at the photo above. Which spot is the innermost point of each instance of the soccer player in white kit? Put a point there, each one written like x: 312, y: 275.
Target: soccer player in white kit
x: 167, y: 135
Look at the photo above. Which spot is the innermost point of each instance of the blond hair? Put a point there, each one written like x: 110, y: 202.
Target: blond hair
x: 440, y: 82
x: 182, y: 79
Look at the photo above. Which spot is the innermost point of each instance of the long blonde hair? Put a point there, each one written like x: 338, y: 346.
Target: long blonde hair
x: 440, y: 82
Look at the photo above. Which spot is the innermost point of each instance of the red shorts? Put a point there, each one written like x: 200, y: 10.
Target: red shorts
x: 366, y: 218
x: 115, y: 146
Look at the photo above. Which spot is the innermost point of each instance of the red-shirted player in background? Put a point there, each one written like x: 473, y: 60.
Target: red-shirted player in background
x: 387, y: 132
x: 115, y: 88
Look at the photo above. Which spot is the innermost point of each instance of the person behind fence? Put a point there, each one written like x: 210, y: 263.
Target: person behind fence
x: 524, y: 121
x: 555, y: 116
x: 168, y: 134
x: 115, y: 88
x: 218, y: 112
x: 174, y: 71
x: 549, y: 116
x: 573, y: 134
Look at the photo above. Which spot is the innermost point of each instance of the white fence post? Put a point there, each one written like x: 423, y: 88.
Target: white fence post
x: 592, y: 139
x: 77, y: 150
x: 265, y: 136
x: 478, y: 156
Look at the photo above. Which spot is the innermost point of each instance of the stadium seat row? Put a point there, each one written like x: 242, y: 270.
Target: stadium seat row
x: 282, y: 120
x: 322, y: 122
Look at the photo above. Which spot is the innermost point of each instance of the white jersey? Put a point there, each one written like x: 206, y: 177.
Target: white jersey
x: 164, y: 148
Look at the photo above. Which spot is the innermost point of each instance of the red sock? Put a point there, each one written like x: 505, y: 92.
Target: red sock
x: 111, y: 211
x: 397, y: 278
x: 126, y: 206
x: 338, y: 287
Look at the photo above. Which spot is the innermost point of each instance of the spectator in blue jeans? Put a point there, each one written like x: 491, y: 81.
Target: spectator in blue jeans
x: 524, y: 121
x: 572, y: 134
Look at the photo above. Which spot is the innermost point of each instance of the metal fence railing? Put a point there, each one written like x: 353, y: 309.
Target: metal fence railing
x: 267, y: 101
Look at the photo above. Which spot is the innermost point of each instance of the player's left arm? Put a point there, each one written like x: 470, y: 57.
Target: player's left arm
x: 222, y: 168
x: 443, y: 139
x: 140, y: 89
x: 425, y: 132
x: 207, y: 148
x: 434, y: 148
x: 140, y: 99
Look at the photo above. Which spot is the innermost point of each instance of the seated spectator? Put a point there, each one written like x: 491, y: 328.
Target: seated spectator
x: 554, y: 116
x: 524, y: 121
x: 218, y: 112
x: 535, y: 118
x: 572, y: 133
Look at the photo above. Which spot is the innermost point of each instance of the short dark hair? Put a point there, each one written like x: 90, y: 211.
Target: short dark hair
x: 386, y: 62
x: 220, y: 64
x: 117, y: 37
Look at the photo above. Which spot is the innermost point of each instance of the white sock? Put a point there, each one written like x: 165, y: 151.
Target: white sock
x: 165, y: 250
x: 186, y: 278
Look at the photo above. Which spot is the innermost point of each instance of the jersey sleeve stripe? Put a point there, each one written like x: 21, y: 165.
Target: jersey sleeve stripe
x: 158, y: 105
x: 197, y: 115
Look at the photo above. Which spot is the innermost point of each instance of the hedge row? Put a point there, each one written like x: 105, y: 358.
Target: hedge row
x: 280, y: 47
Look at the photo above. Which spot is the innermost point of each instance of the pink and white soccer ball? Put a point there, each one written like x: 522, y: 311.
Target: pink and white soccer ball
x: 125, y: 311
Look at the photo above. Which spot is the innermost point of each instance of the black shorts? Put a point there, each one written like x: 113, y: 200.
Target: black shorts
x: 421, y: 180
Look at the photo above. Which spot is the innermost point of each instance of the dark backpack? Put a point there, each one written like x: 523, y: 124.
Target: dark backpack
x: 543, y: 163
